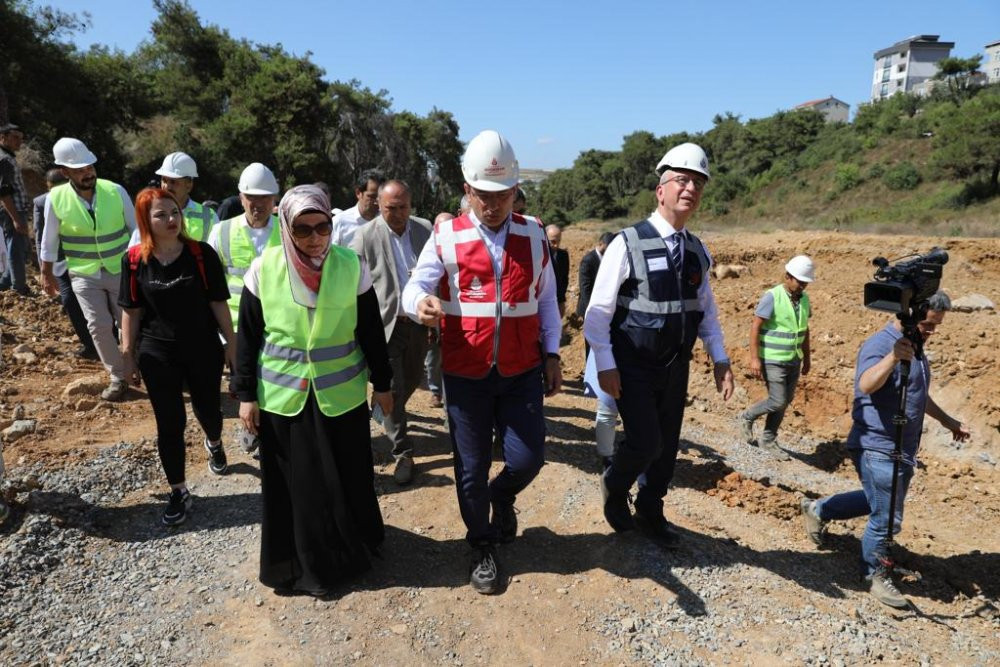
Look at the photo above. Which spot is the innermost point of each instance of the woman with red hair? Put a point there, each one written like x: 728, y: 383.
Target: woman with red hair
x: 174, y: 299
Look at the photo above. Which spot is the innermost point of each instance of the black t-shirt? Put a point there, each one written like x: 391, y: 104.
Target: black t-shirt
x: 175, y: 301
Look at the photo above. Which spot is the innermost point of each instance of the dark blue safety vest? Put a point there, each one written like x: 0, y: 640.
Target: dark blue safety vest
x: 657, y: 315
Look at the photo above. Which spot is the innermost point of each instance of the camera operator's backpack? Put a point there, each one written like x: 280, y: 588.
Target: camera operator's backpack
x: 135, y: 255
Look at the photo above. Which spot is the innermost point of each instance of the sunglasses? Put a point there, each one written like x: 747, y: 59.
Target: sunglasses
x: 305, y: 231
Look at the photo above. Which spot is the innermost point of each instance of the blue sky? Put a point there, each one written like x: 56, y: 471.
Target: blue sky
x: 560, y: 77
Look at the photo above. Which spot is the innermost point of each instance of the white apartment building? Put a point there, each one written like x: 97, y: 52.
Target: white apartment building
x: 991, y: 63
x: 907, y: 65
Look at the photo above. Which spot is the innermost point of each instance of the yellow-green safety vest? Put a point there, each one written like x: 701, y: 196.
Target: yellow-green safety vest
x: 319, y: 352
x: 782, y: 335
x: 91, y: 242
x: 198, y: 220
x: 236, y: 251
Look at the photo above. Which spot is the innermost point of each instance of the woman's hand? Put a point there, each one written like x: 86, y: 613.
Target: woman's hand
x: 384, y: 400
x: 230, y: 351
x: 132, y: 375
x: 250, y: 416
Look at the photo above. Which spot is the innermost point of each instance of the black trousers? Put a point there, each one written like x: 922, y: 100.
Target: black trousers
x: 165, y: 373
x: 652, y: 411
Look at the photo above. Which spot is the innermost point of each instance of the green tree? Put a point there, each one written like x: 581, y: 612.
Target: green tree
x: 967, y: 141
x: 958, y: 73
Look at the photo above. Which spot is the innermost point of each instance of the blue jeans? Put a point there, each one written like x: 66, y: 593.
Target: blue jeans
x: 875, y: 471
x: 17, y: 253
x: 514, y: 404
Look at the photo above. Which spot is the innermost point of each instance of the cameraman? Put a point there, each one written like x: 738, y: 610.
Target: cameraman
x: 872, y: 441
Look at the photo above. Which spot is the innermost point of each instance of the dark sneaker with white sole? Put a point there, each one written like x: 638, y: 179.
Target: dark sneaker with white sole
x: 484, y: 575
x: 216, y: 458
x: 178, y: 506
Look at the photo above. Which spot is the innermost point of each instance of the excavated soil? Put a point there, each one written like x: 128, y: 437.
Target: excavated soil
x: 747, y: 587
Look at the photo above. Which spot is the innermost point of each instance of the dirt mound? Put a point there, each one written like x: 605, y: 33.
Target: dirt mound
x: 735, y: 490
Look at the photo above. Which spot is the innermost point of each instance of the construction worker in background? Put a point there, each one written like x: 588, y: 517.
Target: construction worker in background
x: 177, y: 174
x: 54, y: 177
x: 241, y: 239
x: 14, y: 205
x: 651, y: 300
x: 499, y: 343
x: 348, y: 221
x: 779, y: 351
x: 93, y: 219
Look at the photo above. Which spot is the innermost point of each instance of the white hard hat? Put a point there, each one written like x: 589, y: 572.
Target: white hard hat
x: 489, y: 163
x: 801, y: 267
x: 178, y: 165
x: 72, y: 153
x: 257, y: 179
x: 685, y: 156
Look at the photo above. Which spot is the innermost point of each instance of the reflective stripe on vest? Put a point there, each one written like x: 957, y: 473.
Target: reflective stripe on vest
x: 490, y: 320
x: 317, y: 348
x: 782, y: 335
x: 198, y: 220
x: 237, y: 252
x: 643, y: 302
x: 91, y: 242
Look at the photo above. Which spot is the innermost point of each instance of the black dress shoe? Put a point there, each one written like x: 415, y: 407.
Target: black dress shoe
x: 616, y: 510
x: 658, y: 529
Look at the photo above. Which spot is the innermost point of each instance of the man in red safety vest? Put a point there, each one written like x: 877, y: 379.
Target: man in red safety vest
x: 500, y: 329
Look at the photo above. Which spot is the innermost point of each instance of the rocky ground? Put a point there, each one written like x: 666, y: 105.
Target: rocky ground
x: 89, y: 576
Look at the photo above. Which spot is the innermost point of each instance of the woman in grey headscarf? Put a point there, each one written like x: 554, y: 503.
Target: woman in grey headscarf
x: 310, y: 333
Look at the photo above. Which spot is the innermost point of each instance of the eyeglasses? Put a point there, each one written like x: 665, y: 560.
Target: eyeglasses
x: 684, y: 180
x: 305, y: 231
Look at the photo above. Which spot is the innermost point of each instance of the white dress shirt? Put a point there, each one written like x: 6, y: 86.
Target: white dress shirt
x: 345, y: 224
x: 427, y: 276
x: 50, y: 235
x: 259, y: 236
x: 405, y: 259
x: 614, y: 270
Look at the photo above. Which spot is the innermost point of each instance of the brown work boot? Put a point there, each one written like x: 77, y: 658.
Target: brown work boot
x: 885, y: 591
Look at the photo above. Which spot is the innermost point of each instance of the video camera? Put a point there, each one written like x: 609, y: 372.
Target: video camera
x: 905, y: 287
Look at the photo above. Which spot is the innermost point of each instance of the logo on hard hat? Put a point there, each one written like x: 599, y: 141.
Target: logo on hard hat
x: 495, y: 169
x: 704, y: 163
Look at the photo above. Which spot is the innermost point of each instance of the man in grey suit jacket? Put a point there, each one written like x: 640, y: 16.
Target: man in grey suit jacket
x: 390, y: 244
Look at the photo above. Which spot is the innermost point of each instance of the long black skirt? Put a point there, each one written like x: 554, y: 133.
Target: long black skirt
x: 321, y: 517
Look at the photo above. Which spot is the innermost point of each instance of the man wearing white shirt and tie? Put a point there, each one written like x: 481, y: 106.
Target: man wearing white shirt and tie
x: 650, y: 301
